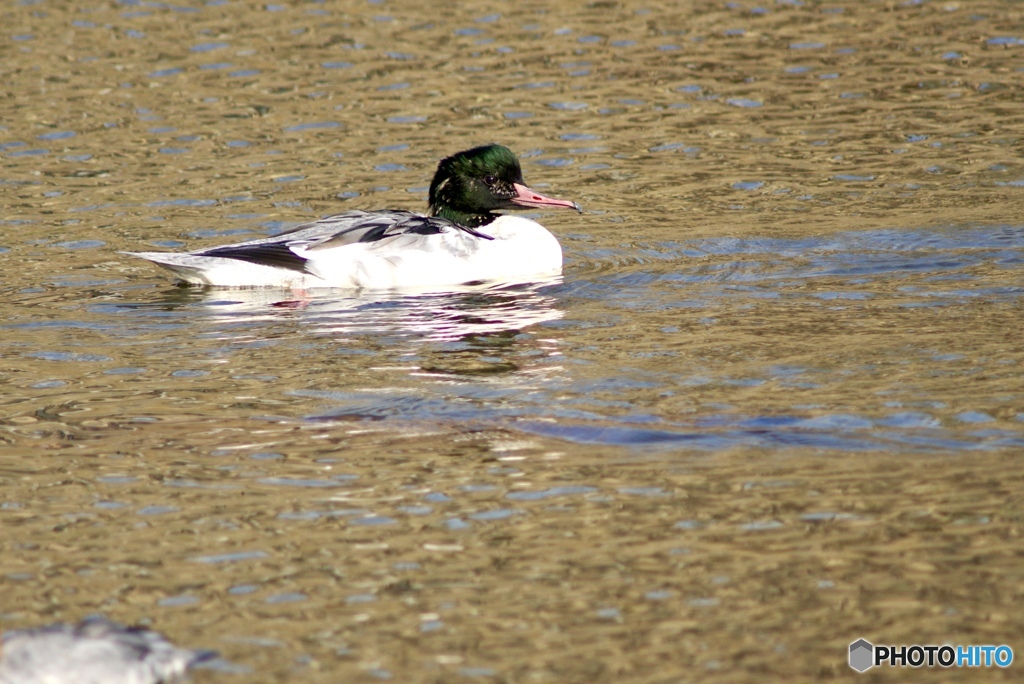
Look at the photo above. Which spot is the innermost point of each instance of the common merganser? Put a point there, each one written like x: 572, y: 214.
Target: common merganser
x: 94, y: 650
x: 460, y: 240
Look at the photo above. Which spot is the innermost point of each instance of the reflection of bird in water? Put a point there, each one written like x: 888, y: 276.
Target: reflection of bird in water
x: 455, y: 313
x: 95, y: 651
x: 460, y: 240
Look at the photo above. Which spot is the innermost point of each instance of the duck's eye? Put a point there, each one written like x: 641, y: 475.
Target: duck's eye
x: 491, y: 180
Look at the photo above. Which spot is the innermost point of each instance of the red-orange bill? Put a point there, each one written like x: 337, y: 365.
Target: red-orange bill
x: 525, y: 197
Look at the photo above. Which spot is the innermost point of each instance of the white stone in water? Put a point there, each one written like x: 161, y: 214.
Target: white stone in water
x: 94, y: 651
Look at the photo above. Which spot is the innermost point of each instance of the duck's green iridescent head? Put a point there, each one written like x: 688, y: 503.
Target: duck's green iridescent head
x: 470, y: 185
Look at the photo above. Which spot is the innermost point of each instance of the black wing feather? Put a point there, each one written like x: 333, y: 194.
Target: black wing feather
x: 274, y: 254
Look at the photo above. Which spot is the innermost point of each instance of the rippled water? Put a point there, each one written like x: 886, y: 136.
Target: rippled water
x: 773, y: 405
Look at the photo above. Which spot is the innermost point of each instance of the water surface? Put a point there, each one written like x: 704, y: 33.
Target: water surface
x: 773, y: 405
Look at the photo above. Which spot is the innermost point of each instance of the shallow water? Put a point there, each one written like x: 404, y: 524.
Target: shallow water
x: 773, y: 405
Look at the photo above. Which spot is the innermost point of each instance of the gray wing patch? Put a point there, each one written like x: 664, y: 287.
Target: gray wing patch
x: 380, y: 225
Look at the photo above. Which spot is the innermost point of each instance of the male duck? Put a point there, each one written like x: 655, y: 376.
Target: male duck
x: 459, y: 241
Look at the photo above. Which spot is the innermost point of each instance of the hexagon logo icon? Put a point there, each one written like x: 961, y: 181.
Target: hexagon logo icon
x: 861, y: 655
